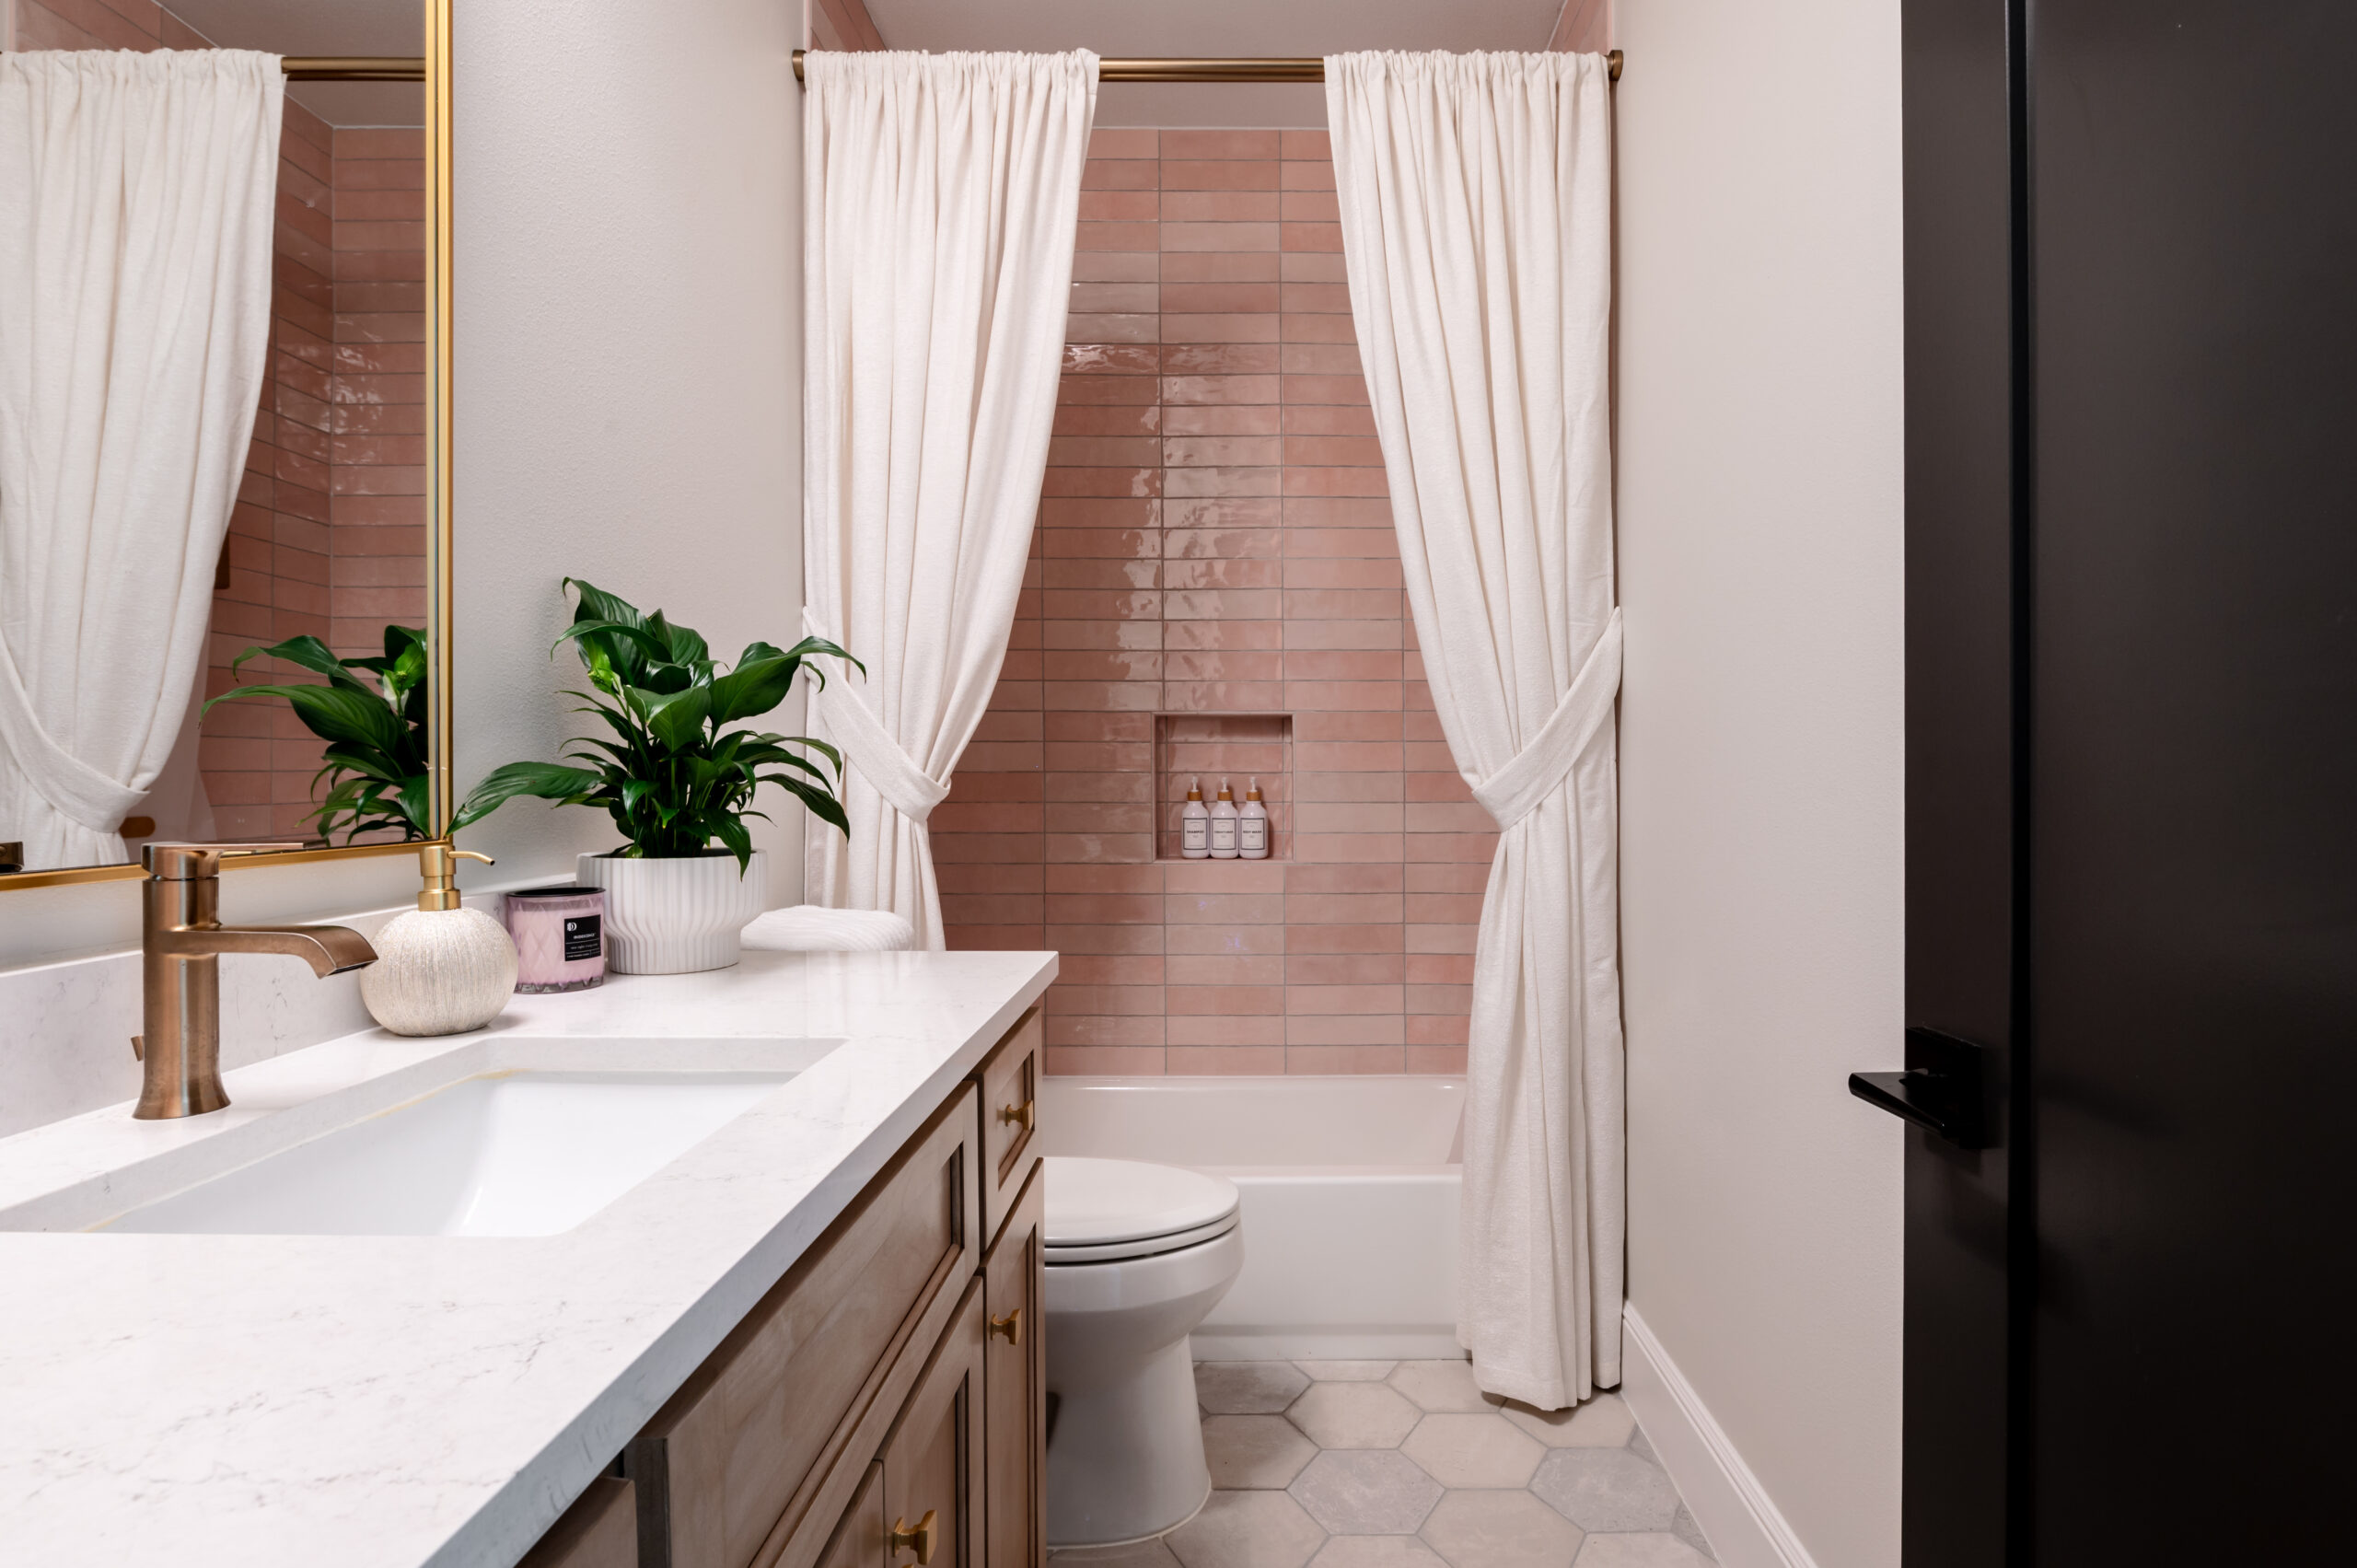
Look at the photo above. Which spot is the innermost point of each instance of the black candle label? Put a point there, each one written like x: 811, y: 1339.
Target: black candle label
x: 583, y: 936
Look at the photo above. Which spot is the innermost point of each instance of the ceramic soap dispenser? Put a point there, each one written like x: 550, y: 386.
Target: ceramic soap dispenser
x: 442, y: 968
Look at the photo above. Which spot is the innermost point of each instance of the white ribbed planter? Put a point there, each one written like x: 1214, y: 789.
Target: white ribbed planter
x: 674, y: 916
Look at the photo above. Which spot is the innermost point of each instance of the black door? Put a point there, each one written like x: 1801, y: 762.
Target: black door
x: 2132, y: 774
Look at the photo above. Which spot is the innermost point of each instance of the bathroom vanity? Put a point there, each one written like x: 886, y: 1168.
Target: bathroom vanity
x: 780, y: 1307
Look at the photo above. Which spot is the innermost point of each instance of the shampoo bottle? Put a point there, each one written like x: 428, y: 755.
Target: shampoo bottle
x: 1195, y: 824
x: 1253, y: 825
x: 1224, y: 824
x: 442, y: 968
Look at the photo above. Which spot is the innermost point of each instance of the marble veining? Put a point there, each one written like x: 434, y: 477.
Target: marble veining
x: 395, y: 1401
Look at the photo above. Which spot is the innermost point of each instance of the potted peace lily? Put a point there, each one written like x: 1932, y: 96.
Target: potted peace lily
x: 678, y: 781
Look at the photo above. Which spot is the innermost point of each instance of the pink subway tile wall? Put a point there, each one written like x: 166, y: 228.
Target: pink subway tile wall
x: 1214, y: 587
x: 328, y: 535
x: 257, y: 759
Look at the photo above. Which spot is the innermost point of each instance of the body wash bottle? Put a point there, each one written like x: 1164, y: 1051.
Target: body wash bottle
x: 1195, y: 824
x: 1224, y: 824
x: 1253, y: 825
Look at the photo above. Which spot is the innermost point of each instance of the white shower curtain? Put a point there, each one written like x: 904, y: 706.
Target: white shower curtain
x: 939, y: 198
x: 137, y: 195
x: 1476, y: 206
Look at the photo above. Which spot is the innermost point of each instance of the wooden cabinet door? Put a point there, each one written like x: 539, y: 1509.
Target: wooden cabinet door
x: 1010, y: 1084
x: 1014, y: 1383
x: 933, y: 1460
x: 858, y: 1541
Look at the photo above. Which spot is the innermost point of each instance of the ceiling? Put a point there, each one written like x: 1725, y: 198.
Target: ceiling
x: 1215, y: 27
x: 324, y: 27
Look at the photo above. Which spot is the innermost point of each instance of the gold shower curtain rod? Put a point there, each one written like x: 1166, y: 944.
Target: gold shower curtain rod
x: 353, y: 68
x: 1300, y: 68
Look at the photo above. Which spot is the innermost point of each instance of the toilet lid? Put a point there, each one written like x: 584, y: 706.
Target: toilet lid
x: 1110, y: 1204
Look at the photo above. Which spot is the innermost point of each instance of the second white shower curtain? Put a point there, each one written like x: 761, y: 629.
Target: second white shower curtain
x: 1476, y: 206
x: 940, y: 198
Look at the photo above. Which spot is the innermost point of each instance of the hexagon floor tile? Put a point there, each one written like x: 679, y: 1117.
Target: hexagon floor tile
x: 1442, y: 1386
x: 1255, y: 1452
x: 1500, y: 1529
x: 1247, y: 1529
x: 1353, y: 1415
x: 1365, y: 1491
x: 1474, y: 1450
x: 1375, y: 1464
x: 1248, y: 1388
x: 1607, y: 1489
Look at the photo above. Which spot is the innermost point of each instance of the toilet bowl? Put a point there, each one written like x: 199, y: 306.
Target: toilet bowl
x: 1136, y: 1256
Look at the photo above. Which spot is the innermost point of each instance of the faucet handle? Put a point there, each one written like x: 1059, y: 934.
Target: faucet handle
x: 194, y: 863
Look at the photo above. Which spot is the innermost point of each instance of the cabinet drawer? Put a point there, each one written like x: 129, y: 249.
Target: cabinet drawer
x: 755, y: 1458
x: 1014, y: 1383
x: 1010, y: 1080
x: 600, y: 1530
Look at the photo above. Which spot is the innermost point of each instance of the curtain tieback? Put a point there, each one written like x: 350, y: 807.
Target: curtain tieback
x: 906, y: 787
x: 77, y: 790
x: 1539, y: 769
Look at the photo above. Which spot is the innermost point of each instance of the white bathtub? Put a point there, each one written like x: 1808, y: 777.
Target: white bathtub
x: 1349, y: 1190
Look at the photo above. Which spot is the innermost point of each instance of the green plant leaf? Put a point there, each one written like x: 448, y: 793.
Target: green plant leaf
x: 548, y: 781
x: 677, y: 719
x: 351, y: 714
x: 308, y: 653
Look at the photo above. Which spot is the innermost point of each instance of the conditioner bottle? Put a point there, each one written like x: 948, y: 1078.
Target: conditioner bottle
x: 1253, y: 825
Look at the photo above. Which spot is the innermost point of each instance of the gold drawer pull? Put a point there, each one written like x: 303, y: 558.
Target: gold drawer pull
x: 919, y: 1540
x: 1009, y: 1328
x: 1021, y: 1116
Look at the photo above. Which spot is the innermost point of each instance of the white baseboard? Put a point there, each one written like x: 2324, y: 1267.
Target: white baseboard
x: 1744, y: 1528
x: 1302, y: 1343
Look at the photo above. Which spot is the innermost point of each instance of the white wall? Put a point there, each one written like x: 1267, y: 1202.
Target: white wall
x: 1759, y: 525
x: 627, y: 270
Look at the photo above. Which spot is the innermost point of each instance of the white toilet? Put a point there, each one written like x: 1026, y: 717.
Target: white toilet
x: 1137, y: 1254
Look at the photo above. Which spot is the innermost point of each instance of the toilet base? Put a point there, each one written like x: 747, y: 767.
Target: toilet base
x: 1126, y: 1458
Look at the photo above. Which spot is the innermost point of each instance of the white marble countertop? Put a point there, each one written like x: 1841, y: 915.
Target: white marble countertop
x: 393, y: 1402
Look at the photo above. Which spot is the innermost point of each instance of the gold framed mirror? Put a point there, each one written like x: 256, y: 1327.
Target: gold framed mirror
x: 352, y: 433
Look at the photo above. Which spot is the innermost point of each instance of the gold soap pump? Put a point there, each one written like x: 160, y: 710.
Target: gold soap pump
x: 442, y: 968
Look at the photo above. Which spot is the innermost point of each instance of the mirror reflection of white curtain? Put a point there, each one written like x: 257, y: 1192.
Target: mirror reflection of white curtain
x: 1476, y: 205
x: 138, y: 197
x: 940, y: 194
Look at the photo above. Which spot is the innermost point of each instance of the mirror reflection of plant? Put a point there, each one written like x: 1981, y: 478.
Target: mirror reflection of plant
x: 675, y: 778
x: 376, y: 734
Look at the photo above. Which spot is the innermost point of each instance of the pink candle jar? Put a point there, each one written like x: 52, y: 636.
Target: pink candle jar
x: 560, y: 937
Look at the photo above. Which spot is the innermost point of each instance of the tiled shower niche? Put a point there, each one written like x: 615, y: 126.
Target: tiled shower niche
x: 1210, y: 747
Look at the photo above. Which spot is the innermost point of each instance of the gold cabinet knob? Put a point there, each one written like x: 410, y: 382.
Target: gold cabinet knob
x: 1022, y: 1116
x: 1009, y: 1328
x: 919, y: 1540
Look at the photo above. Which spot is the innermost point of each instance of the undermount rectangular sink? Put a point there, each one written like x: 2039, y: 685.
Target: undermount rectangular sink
x: 513, y: 1153
x: 509, y: 1135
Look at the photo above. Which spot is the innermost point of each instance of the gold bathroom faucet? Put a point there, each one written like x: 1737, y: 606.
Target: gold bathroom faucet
x: 182, y: 941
